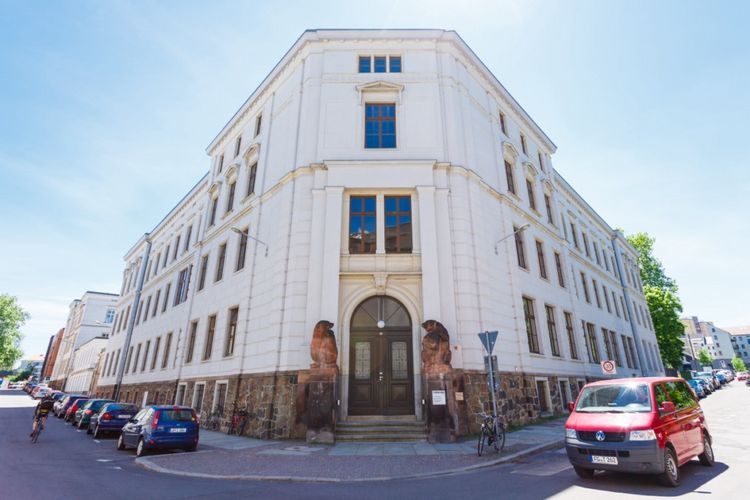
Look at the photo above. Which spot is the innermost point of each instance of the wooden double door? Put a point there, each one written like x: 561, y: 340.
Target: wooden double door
x: 381, y: 371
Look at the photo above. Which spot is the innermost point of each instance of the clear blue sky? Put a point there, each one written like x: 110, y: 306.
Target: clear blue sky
x: 106, y: 109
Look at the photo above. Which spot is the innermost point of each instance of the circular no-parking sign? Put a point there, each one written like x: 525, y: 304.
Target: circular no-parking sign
x: 608, y: 367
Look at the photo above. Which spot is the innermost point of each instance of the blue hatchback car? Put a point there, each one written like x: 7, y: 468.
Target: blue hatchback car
x: 697, y: 388
x: 160, y: 427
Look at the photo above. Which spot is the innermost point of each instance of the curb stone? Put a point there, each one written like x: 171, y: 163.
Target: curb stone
x: 147, y: 464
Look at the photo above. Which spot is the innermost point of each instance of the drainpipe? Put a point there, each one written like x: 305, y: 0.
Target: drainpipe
x: 131, y: 320
x: 626, y: 295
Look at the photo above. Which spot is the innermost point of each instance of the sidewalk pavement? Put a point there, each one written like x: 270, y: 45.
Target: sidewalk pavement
x: 220, y: 456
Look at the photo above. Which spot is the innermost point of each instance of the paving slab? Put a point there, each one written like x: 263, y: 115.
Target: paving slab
x: 233, y: 457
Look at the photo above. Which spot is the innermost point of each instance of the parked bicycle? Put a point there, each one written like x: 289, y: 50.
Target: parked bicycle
x: 239, y: 420
x: 492, y: 433
x: 213, y: 423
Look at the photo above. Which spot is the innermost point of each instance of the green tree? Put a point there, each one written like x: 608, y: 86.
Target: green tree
x: 12, y: 316
x: 652, y: 270
x: 21, y: 376
x: 663, y: 303
x: 738, y: 364
x: 705, y: 358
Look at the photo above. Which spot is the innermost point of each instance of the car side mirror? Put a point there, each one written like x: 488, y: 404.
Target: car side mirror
x: 571, y: 405
x: 667, y: 407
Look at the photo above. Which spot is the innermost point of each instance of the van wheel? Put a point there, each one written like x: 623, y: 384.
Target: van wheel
x: 671, y: 474
x: 707, y: 457
x: 120, y: 443
x: 584, y: 473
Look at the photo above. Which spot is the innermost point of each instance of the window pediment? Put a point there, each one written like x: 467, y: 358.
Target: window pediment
x: 509, y: 151
x: 231, y: 173
x: 382, y: 89
x: 531, y: 170
x: 251, y: 153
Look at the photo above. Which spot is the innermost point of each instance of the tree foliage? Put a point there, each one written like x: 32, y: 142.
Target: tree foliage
x: 738, y: 364
x: 21, y: 376
x: 665, y: 307
x: 663, y: 303
x: 705, y: 358
x: 652, y: 270
x: 12, y: 317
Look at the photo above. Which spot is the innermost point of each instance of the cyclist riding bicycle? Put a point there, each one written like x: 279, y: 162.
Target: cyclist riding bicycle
x: 41, y: 412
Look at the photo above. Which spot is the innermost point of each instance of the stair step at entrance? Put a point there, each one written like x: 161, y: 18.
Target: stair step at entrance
x: 381, y: 431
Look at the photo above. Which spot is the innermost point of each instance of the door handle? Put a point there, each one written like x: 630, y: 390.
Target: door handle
x: 380, y: 376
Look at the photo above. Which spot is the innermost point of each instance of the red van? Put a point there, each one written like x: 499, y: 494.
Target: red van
x: 649, y: 425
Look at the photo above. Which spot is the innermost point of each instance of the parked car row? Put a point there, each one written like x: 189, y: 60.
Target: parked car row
x: 154, y: 427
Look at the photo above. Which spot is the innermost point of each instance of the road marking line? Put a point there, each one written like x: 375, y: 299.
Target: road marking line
x: 103, y: 459
x: 97, y: 441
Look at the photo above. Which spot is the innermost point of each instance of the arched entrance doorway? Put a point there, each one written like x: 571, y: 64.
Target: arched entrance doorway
x: 381, y: 368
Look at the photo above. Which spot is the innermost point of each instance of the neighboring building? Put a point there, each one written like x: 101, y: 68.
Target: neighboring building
x: 84, y: 365
x: 90, y: 317
x: 51, y: 356
x: 741, y: 342
x: 705, y: 335
x: 34, y: 363
x: 380, y: 176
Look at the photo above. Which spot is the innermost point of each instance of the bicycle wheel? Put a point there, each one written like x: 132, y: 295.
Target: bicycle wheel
x: 480, y: 443
x: 36, y: 433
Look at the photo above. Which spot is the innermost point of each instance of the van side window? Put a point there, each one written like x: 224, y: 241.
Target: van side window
x: 679, y: 395
x: 687, y: 394
x: 661, y: 396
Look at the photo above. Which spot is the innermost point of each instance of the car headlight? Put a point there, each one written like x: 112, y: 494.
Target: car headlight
x: 642, y: 435
x: 571, y: 434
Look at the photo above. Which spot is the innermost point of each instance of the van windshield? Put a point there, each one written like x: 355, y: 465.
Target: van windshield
x: 616, y: 398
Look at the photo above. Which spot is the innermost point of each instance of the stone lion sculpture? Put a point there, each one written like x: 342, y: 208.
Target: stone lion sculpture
x: 436, y: 348
x: 323, y: 350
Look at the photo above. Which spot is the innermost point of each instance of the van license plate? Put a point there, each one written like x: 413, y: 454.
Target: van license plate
x: 182, y: 429
x: 599, y: 459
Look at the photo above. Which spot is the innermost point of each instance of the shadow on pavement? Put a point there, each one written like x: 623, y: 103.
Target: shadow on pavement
x: 692, y: 477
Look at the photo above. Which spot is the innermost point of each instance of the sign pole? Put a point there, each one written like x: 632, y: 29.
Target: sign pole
x: 492, y: 374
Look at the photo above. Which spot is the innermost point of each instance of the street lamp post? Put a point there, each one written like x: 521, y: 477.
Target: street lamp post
x: 520, y: 229
x: 245, y: 234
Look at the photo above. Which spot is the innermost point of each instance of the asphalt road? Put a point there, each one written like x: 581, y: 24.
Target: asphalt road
x: 69, y: 464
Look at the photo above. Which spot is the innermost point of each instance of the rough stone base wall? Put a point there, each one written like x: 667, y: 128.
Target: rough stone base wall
x: 159, y: 393
x: 269, y: 401
x: 517, y: 398
x: 104, y: 391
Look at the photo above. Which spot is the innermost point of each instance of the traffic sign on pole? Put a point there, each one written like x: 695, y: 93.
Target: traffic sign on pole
x: 488, y: 340
x: 608, y: 367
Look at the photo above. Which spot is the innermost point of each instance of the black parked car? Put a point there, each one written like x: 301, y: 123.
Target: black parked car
x: 83, y: 415
x: 111, y: 418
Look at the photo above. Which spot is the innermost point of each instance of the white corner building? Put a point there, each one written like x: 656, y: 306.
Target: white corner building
x: 90, y: 317
x: 376, y: 179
